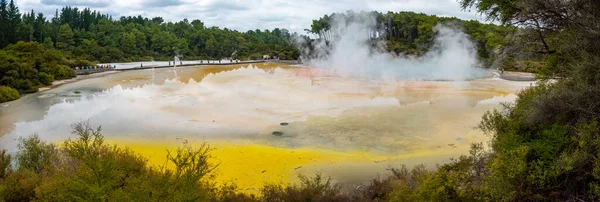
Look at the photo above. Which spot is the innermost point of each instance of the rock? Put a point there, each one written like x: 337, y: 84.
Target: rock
x: 460, y: 139
x: 277, y: 133
x: 284, y: 124
x: 451, y: 145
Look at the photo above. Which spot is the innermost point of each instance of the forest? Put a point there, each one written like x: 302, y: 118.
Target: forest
x: 92, y: 36
x: 543, y: 147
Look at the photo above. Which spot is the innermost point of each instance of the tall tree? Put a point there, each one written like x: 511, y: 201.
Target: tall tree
x: 13, y: 22
x: 29, y: 21
x: 65, y: 37
x: 3, y: 22
x: 40, y: 26
x: 211, y: 46
x: 55, y: 26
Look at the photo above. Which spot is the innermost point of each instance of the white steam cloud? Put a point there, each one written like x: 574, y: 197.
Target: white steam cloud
x: 452, y: 57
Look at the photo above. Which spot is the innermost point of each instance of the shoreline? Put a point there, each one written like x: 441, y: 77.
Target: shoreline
x: 518, y: 76
x: 56, y: 84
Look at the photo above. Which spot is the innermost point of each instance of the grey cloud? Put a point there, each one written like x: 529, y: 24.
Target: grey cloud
x: 161, y: 3
x: 84, y: 3
x: 271, y: 19
x: 243, y: 15
x: 226, y: 5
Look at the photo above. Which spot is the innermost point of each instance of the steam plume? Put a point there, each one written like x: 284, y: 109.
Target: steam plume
x: 349, y: 53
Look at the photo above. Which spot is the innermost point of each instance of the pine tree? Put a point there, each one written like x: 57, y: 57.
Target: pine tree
x: 13, y: 22
x: 29, y: 20
x: 40, y: 22
x: 55, y: 27
x: 48, y: 43
x: 65, y: 37
x: 3, y: 22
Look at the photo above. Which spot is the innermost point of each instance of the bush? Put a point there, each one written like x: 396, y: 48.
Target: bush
x: 46, y: 79
x: 80, y: 63
x: 317, y: 188
x: 27, y: 66
x: 88, y: 169
x: 546, y: 145
x: 229, y: 193
x: 19, y: 186
x: 36, y: 155
x: 8, y: 94
x: 64, y: 72
x: 4, y: 163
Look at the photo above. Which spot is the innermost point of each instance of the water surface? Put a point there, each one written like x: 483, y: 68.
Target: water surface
x: 269, y: 122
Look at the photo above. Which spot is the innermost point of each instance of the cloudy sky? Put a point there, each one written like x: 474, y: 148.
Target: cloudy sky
x: 243, y: 15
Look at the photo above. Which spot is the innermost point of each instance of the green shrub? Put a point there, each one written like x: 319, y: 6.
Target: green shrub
x: 46, y: 79
x: 64, y: 72
x: 230, y: 193
x: 87, y: 169
x: 19, y: 186
x: 8, y: 94
x: 81, y: 63
x: 27, y: 66
x: 546, y: 145
x: 5, y: 163
x: 36, y: 155
x: 317, y: 188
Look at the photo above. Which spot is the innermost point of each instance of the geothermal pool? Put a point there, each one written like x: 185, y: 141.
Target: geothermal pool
x: 269, y: 122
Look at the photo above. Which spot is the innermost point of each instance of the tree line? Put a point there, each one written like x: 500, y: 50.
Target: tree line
x: 89, y: 35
